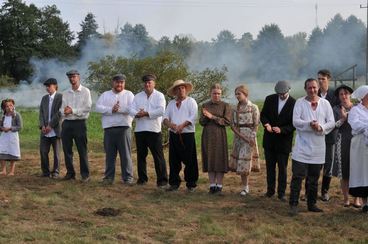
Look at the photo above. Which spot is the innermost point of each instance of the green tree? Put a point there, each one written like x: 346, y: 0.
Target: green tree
x: 136, y: 40
x: 89, y: 30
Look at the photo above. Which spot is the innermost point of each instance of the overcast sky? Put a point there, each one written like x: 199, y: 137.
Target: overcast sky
x: 204, y: 19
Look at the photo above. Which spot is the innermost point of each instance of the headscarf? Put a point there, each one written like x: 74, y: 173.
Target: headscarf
x: 360, y: 92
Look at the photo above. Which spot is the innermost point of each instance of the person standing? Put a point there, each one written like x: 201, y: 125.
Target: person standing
x: 324, y: 77
x: 215, y: 116
x: 10, y: 124
x: 313, y: 119
x: 341, y: 163
x: 75, y: 110
x: 50, y: 126
x: 148, y: 107
x: 180, y: 117
x: 244, y: 124
x: 277, y: 120
x: 114, y: 106
x: 358, y: 120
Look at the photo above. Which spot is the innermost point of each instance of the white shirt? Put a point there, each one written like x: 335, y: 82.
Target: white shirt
x: 187, y: 112
x: 51, y: 100
x: 104, y: 106
x: 282, y: 104
x: 154, y: 105
x: 310, y: 145
x: 79, y: 100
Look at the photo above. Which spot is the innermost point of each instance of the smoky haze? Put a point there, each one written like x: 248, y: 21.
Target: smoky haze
x: 258, y: 63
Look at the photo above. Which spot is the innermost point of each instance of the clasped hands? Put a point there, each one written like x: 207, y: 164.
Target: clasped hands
x: 271, y: 129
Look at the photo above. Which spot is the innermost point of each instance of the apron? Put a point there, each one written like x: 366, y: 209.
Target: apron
x: 9, y: 141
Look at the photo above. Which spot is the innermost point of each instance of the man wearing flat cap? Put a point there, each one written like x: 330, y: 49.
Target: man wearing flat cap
x: 116, y: 122
x: 75, y: 108
x: 180, y: 117
x: 50, y: 126
x: 277, y: 120
x: 148, y: 108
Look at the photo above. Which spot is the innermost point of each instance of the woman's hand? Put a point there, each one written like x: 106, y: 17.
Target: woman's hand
x: 206, y: 113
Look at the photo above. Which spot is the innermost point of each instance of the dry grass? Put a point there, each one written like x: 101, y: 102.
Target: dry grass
x: 38, y: 210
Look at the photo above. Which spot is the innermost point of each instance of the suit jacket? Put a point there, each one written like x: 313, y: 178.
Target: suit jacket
x: 55, y: 121
x: 331, y: 137
x: 282, y: 142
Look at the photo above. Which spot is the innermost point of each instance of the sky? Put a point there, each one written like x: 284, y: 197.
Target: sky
x: 204, y: 19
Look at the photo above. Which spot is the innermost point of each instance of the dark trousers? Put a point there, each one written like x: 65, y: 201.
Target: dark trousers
x: 281, y: 160
x: 182, y: 149
x: 301, y: 170
x: 118, y: 140
x: 45, y: 145
x: 327, y: 168
x: 75, y: 130
x: 153, y: 141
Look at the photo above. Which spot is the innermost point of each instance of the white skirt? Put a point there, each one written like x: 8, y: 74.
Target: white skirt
x: 358, y: 162
x: 9, y: 144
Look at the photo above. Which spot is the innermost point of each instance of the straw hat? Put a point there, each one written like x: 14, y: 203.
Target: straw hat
x: 188, y: 86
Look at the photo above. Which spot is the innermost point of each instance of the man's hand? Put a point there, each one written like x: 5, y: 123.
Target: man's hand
x: 268, y: 127
x: 276, y: 129
x: 68, y: 110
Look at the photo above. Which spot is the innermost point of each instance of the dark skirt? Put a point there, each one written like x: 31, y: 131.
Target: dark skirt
x: 8, y: 157
x: 361, y: 191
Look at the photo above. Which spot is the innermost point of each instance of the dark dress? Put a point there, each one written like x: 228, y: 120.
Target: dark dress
x: 341, y: 164
x: 214, y: 139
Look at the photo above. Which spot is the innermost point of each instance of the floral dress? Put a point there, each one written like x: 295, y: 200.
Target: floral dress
x: 245, y: 120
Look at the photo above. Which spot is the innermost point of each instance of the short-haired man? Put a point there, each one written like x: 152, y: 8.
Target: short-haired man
x: 277, y: 120
x: 75, y: 108
x: 180, y: 116
x: 313, y: 119
x: 50, y: 126
x: 114, y: 106
x: 148, y: 107
x: 324, y: 77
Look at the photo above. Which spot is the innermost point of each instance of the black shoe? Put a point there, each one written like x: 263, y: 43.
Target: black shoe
x: 365, y: 209
x: 268, y: 194
x: 191, y: 189
x: 85, y: 179
x: 55, y: 176
x: 218, y: 190
x: 141, y: 182
x: 172, y: 188
x: 107, y: 181
x: 315, y: 209
x: 42, y: 175
x: 213, y: 190
x: 293, y: 211
x: 282, y: 198
x: 69, y: 177
x: 325, y: 197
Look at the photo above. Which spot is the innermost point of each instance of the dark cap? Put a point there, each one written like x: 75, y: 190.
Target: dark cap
x: 50, y: 81
x: 149, y: 77
x: 119, y: 77
x: 345, y: 87
x: 72, y: 72
x: 282, y: 87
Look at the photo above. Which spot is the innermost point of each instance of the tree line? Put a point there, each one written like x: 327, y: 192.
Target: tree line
x: 27, y: 31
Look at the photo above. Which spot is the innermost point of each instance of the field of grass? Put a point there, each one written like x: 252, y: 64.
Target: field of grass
x: 38, y: 210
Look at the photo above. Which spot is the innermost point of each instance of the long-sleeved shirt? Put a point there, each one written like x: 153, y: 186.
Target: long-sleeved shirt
x: 186, y: 112
x: 310, y: 147
x: 358, y: 120
x: 79, y: 100
x: 154, y: 105
x: 106, y: 102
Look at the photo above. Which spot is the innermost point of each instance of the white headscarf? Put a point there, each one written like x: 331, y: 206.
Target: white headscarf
x: 360, y: 92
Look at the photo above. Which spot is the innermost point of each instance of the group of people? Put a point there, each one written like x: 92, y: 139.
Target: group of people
x: 331, y: 134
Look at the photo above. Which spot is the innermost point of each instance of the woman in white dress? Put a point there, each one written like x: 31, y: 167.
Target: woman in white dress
x: 358, y: 120
x: 10, y: 124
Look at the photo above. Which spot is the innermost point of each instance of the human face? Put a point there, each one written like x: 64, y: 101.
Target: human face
x: 216, y: 95
x: 118, y: 85
x: 51, y: 88
x: 241, y: 96
x: 74, y: 80
x: 283, y: 96
x: 312, y: 89
x: 9, y: 107
x: 149, y: 86
x: 323, y: 82
x: 344, y: 96
x: 181, y: 91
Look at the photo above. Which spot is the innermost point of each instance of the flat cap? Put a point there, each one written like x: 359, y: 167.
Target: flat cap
x: 149, y: 77
x: 50, y: 81
x: 72, y: 72
x: 118, y: 77
x: 282, y: 87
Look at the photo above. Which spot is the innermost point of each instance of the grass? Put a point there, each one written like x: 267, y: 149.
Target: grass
x: 37, y: 210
